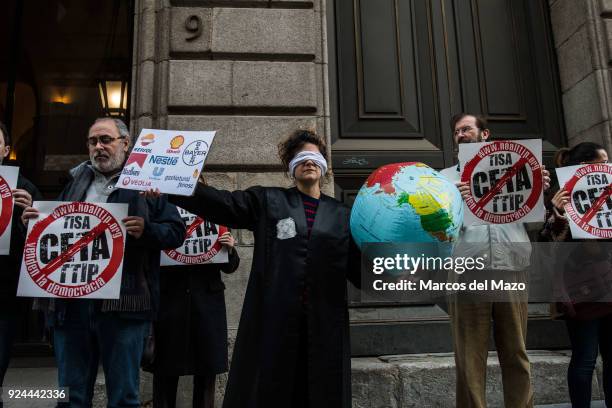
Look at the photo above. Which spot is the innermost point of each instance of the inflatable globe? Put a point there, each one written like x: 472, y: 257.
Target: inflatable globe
x: 407, y: 202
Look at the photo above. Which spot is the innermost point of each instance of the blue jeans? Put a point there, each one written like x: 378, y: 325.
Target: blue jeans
x: 587, y: 338
x: 84, y: 339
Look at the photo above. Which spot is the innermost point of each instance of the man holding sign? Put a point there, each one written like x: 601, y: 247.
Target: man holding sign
x: 112, y: 329
x: 471, y: 322
x: 17, y: 199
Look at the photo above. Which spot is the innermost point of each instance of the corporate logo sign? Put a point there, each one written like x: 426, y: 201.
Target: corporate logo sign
x: 169, y: 160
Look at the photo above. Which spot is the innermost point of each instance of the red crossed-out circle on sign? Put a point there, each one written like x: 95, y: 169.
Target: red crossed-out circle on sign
x: 6, y: 211
x: 198, y: 258
x: 526, y: 158
x: 583, y: 221
x: 107, y: 222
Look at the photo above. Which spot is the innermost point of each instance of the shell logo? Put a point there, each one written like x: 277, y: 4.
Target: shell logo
x: 147, y: 139
x: 177, y: 141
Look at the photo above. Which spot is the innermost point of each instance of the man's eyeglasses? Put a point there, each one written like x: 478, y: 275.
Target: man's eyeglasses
x: 104, y: 140
x: 464, y: 130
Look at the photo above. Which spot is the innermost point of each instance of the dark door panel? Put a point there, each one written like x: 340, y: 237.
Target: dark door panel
x: 405, y: 67
x: 385, y: 70
x: 402, y: 69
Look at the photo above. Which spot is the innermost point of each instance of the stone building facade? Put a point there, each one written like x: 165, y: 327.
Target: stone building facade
x: 256, y: 72
x: 583, y: 41
x: 257, y: 69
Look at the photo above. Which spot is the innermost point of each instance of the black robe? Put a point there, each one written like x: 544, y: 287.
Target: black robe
x: 284, y: 260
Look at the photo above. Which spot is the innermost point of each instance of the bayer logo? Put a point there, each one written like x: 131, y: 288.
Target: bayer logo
x: 195, y: 153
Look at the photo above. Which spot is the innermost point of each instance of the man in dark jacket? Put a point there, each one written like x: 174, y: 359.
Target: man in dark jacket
x: 113, y: 329
x: 23, y: 196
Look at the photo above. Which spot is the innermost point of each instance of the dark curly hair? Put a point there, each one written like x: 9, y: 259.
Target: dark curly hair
x: 582, y: 152
x: 288, y: 148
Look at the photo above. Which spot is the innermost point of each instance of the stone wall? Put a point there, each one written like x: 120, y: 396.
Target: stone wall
x: 582, y: 32
x: 255, y: 71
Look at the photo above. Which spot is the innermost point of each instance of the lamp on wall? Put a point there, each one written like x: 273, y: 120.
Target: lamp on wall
x: 113, y: 75
x: 113, y: 95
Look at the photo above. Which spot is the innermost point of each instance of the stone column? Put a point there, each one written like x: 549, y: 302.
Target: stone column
x: 582, y: 36
x: 252, y: 70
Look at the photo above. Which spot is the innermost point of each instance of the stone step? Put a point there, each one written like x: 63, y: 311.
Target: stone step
x: 416, y: 380
x: 428, y: 380
x: 594, y: 404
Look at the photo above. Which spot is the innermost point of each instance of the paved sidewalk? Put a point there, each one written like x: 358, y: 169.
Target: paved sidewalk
x: 406, y: 381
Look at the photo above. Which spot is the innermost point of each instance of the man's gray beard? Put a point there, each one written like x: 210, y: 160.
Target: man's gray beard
x: 114, y: 163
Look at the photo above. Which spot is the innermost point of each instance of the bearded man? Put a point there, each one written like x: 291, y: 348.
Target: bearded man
x: 507, y: 248
x: 113, y: 330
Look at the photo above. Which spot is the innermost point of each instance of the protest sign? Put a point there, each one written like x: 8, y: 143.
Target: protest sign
x: 201, y: 245
x: 590, y: 208
x: 505, y: 179
x: 74, y: 250
x: 8, y: 181
x: 169, y: 160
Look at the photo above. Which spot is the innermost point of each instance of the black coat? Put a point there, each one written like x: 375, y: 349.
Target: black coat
x: 10, y: 264
x: 191, y: 330
x: 284, y: 260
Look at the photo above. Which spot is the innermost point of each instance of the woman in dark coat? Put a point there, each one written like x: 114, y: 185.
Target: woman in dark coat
x: 292, y: 347
x: 588, y: 315
x: 191, y: 330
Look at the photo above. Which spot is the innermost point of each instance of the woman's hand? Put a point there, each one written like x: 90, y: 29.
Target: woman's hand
x: 560, y: 199
x: 545, y: 178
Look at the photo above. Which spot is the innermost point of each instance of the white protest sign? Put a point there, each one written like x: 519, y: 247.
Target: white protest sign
x: 74, y: 250
x: 8, y: 181
x: 170, y: 160
x: 505, y: 179
x: 589, y: 211
x: 201, y: 246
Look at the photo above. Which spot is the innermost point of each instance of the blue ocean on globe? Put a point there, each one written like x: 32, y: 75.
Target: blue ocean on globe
x: 407, y: 202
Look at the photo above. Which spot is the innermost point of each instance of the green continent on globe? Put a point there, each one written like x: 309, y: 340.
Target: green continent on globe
x: 435, y: 219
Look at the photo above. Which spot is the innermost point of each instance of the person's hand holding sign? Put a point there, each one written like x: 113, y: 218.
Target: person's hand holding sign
x: 151, y: 193
x: 560, y: 200
x: 21, y: 198
x: 464, y: 189
x: 228, y: 241
x: 134, y: 226
x: 28, y: 214
x: 545, y: 178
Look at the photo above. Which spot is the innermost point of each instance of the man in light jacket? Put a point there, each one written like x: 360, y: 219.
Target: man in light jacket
x: 507, y: 250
